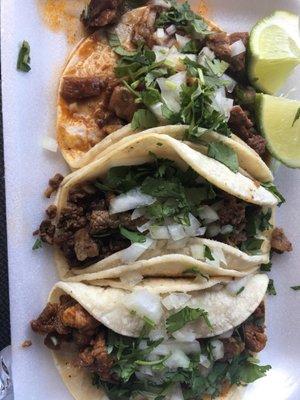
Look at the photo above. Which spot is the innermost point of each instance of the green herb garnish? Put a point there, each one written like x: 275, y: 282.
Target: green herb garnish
x: 134, y: 237
x: 297, y: 116
x: 273, y: 189
x: 224, y: 154
x: 23, y: 63
x: 271, y: 288
x: 37, y: 244
x: 143, y: 119
x: 184, y: 316
x: 208, y: 253
x: 295, y: 287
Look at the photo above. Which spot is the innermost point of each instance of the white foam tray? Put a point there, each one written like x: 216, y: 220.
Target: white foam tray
x: 29, y: 114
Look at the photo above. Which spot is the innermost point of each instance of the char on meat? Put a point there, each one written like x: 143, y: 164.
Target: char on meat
x: 219, y: 43
x: 53, y: 185
x: 280, y: 242
x: 255, y: 337
x: 100, y: 13
x: 240, y: 124
x: 122, y: 102
x: 79, y: 88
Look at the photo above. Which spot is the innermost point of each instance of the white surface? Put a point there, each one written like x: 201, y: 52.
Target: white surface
x: 29, y: 115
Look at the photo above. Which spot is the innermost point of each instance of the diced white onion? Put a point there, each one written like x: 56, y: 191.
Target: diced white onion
x: 175, y: 393
x: 76, y: 130
x: 160, y: 33
x: 197, y: 251
x: 145, y: 304
x: 206, y: 51
x: 175, y: 300
x: 161, y: 52
x: 182, y: 40
x: 143, y: 345
x: 185, y: 334
x: 237, y: 48
x: 230, y: 83
x: 218, y: 254
x: 178, y: 359
x: 236, y: 285
x: 50, y: 144
x: 222, y: 104
x: 204, y: 361
x: 176, y: 231
x: 227, y: 334
x: 144, y: 227
x: 170, y: 345
x: 171, y: 30
x: 192, y: 230
x: 201, y: 231
x: 213, y: 230
x: 177, y: 244
x: 226, y: 229
x: 144, y: 372
x: 133, y: 252
x: 157, y: 111
x: 208, y: 214
x: 159, y: 232
x: 130, y: 200
x: 137, y: 213
x: 131, y: 278
x: 217, y: 349
x: 158, y: 333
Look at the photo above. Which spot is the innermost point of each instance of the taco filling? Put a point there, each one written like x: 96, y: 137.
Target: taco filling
x: 136, y: 207
x: 160, y: 65
x: 164, y: 360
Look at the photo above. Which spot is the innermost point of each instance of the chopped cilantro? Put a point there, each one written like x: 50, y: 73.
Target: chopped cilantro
x: 240, y: 290
x: 181, y: 318
x: 297, y: 116
x: 295, y: 287
x: 252, y: 246
x: 134, y: 237
x: 273, y: 189
x: 266, y: 267
x: 224, y: 154
x: 37, y: 244
x: 208, y: 254
x: 271, y: 288
x: 23, y: 63
x: 143, y: 119
x: 148, y: 326
x: 195, y: 271
x: 192, y: 46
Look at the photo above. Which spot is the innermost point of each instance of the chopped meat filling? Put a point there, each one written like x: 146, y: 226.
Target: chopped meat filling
x: 143, y: 30
x: 78, y: 88
x: 238, y: 63
x: 122, y: 102
x: 77, y: 317
x: 242, y: 126
x: 219, y: 43
x: 280, y: 242
x: 53, y: 185
x: 84, y: 245
x: 255, y: 337
x: 100, y: 13
x: 232, y: 347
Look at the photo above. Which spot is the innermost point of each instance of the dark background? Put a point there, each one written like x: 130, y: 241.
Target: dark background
x: 4, y: 303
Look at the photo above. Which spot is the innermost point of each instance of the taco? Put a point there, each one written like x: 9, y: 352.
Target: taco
x: 144, y: 71
x: 156, y: 204
x: 115, y: 344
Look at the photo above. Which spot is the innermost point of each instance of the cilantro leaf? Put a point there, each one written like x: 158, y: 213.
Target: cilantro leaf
x: 143, y: 119
x: 195, y: 271
x: 150, y: 96
x: 181, y: 318
x: 297, y: 116
x: 243, y: 370
x: 240, y: 290
x: 192, y: 46
x: 134, y: 237
x: 266, y: 267
x: 295, y: 287
x: 37, y: 244
x: 252, y: 246
x: 23, y: 63
x: 271, y: 288
x: 273, y: 189
x: 113, y: 39
x: 224, y: 154
x: 208, y: 254
x: 148, y: 326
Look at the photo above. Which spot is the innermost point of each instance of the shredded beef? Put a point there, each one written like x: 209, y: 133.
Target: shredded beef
x: 97, y: 359
x: 51, y: 211
x: 280, y: 242
x: 100, y: 13
x: 242, y: 126
x: 255, y: 337
x: 76, y: 88
x: 122, y: 102
x: 84, y: 246
x: 238, y: 63
x: 232, y: 347
x: 219, y: 43
x: 47, y: 231
x: 53, y: 184
x: 77, y: 317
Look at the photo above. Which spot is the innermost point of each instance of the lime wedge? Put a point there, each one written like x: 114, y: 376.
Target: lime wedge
x: 279, y: 122
x: 274, y: 51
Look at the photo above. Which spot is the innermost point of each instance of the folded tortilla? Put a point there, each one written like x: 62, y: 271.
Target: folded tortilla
x: 77, y: 132
x: 135, y: 150
x: 106, y: 304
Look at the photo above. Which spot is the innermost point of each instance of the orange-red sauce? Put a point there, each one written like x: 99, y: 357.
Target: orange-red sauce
x: 64, y: 16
